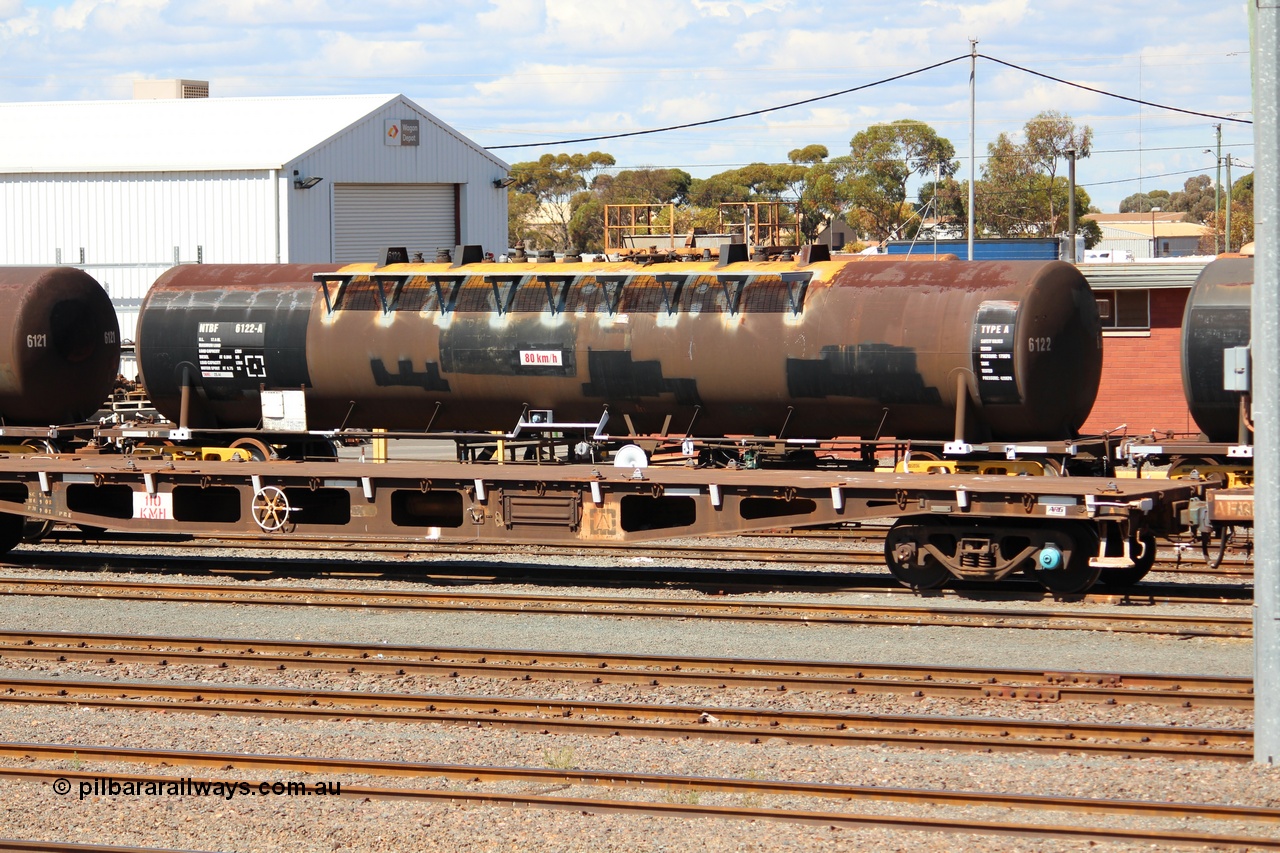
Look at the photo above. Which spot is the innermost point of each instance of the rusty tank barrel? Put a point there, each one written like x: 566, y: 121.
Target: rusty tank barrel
x: 833, y: 348
x: 1217, y: 318
x: 59, y: 345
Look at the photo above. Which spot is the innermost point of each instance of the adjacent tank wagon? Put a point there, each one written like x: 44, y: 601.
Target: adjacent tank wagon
x: 59, y: 346
x: 829, y: 348
x: 1217, y: 318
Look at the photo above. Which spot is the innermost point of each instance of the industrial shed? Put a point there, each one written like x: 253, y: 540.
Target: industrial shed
x: 127, y: 189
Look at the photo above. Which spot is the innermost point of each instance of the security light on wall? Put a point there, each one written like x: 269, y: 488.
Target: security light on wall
x: 503, y: 183
x: 302, y: 183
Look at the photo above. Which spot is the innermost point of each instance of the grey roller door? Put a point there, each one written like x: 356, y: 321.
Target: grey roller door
x: 368, y: 217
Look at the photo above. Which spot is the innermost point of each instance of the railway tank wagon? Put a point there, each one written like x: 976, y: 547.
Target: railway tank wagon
x: 815, y: 350
x: 59, y: 346
x: 1217, y: 318
x: 59, y: 355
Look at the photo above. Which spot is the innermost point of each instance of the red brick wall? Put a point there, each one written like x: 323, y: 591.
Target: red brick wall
x: 1142, y: 376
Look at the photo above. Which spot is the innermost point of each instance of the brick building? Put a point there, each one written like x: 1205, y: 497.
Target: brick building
x: 1142, y: 306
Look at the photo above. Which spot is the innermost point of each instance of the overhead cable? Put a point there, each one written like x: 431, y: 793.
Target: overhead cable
x: 733, y: 117
x: 858, y: 89
x: 1113, y: 94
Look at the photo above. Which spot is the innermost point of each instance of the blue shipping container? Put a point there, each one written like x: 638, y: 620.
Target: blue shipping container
x: 1014, y: 249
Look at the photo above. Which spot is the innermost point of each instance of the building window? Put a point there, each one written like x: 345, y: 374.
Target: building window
x: 1124, y: 309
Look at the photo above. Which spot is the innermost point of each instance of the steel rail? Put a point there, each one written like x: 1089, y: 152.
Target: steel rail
x: 654, y: 670
x: 717, y: 580
x: 646, y: 781
x: 848, y: 820
x: 1179, y: 562
x: 704, y: 722
x: 30, y: 845
x: 622, y: 606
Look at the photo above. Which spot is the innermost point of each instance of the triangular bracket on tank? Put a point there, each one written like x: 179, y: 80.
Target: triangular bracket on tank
x: 470, y: 254
x: 813, y: 253
x: 393, y: 255
x: 732, y: 253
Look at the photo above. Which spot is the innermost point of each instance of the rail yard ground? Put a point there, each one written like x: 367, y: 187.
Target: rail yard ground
x: 599, y: 815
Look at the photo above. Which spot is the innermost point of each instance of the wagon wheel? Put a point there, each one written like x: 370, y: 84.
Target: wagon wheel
x: 1072, y: 572
x: 256, y: 449
x: 271, y: 508
x: 35, y: 529
x: 43, y: 445
x: 1142, y: 547
x: 901, y: 547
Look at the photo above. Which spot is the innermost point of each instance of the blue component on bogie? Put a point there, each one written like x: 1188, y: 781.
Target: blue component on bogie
x: 1050, y: 558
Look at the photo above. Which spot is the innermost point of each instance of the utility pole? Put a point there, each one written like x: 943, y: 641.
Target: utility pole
x: 1228, y: 234
x: 973, y: 172
x: 1217, y: 189
x: 1071, y: 203
x: 1266, y: 383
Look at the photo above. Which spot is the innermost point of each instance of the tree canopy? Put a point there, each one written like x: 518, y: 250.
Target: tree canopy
x: 558, y: 200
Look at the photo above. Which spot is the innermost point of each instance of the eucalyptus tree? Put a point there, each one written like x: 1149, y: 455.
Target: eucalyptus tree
x: 555, y: 182
x: 883, y: 160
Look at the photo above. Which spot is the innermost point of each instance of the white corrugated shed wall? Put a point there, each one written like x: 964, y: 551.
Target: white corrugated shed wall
x: 129, y: 224
x: 358, y: 155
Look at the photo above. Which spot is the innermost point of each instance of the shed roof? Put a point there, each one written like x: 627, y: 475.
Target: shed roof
x: 1130, y: 218
x: 1146, y: 275
x: 1161, y: 229
x: 192, y: 134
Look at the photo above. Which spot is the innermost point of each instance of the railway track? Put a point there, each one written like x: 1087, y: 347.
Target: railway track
x: 548, y: 716
x: 868, y: 554
x: 716, y: 581
x: 652, y: 670
x: 1092, y: 812
x: 1187, y: 625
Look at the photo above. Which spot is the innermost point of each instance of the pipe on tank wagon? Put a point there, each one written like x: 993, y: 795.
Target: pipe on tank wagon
x: 59, y: 345
x: 832, y: 348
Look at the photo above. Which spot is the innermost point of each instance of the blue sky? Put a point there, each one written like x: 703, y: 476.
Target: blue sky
x: 508, y: 72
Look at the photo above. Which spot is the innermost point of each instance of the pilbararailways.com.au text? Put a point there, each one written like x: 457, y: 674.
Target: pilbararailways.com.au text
x: 105, y: 786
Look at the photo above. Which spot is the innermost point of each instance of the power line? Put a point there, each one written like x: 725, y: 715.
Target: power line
x: 830, y: 95
x: 732, y: 117
x: 1112, y: 94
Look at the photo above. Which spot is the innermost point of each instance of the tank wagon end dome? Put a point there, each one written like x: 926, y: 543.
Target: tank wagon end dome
x: 1217, y: 317
x: 59, y: 345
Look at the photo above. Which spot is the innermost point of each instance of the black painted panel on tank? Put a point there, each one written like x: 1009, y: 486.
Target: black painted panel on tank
x: 408, y: 376
x: 522, y: 347
x: 615, y: 376
x: 1210, y: 331
x: 272, y: 338
x: 993, y: 349
x: 869, y: 371
x: 520, y: 358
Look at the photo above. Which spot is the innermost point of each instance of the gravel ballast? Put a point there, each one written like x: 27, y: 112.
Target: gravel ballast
x: 31, y: 810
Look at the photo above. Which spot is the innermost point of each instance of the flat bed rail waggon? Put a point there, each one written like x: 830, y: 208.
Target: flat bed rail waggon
x: 1066, y: 531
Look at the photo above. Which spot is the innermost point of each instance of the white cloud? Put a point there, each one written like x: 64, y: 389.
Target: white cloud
x: 17, y: 21
x: 579, y: 25
x: 740, y: 9
x: 956, y: 22
x: 512, y: 17
x: 113, y: 16
x: 515, y: 70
